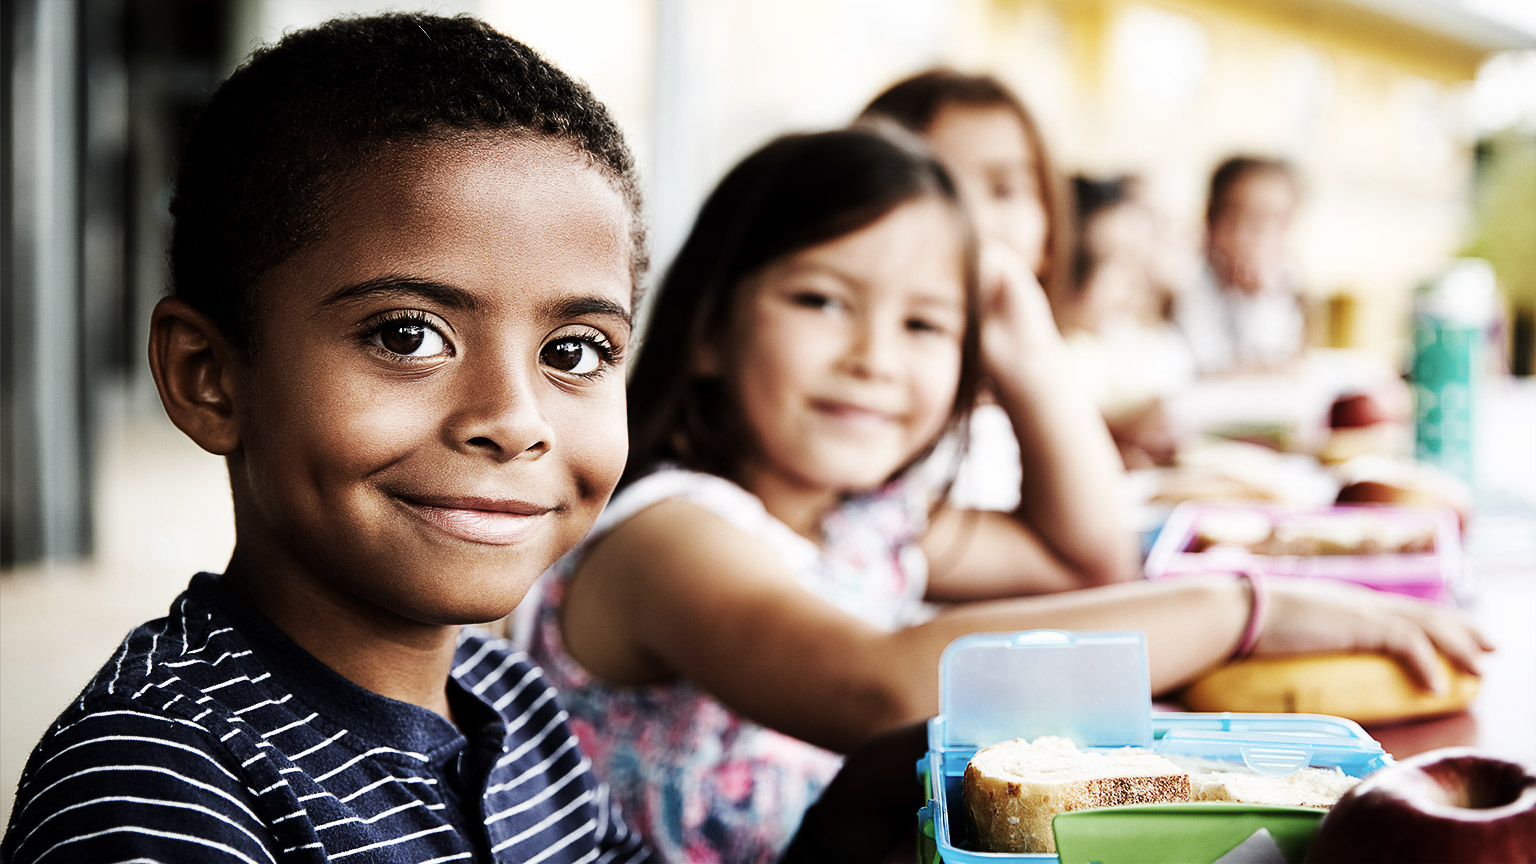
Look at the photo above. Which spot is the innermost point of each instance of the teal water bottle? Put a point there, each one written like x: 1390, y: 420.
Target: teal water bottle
x: 1451, y: 317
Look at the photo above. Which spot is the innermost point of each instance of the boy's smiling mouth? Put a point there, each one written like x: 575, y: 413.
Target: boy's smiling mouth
x: 474, y: 519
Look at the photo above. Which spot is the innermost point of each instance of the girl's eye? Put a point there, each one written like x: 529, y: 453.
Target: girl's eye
x: 572, y: 356
x: 816, y: 300
x: 410, y: 337
x: 925, y: 325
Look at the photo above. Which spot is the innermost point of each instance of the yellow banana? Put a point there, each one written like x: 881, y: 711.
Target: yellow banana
x: 1366, y: 688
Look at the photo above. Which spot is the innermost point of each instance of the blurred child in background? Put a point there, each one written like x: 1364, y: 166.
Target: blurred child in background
x: 751, y: 602
x: 1244, y: 313
x: 991, y: 145
x: 1118, y: 342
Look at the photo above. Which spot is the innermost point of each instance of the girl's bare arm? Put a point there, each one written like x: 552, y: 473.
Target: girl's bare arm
x: 676, y: 592
x: 1071, y: 529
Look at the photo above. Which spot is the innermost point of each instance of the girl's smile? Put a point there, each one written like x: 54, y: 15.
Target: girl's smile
x: 855, y: 416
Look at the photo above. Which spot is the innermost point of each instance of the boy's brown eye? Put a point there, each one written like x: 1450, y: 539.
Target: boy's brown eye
x: 574, y: 356
x: 403, y: 338
x: 410, y: 337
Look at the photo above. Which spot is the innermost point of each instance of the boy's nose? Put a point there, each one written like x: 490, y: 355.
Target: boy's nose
x: 499, y: 414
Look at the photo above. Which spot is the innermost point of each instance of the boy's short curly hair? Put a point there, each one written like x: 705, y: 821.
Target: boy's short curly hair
x: 263, y: 164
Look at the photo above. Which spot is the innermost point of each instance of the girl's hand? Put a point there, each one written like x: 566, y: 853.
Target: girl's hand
x: 1317, y: 616
x: 1070, y: 527
x: 1018, y: 332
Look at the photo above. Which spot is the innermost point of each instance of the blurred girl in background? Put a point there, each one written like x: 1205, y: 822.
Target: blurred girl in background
x: 991, y: 145
x: 751, y: 603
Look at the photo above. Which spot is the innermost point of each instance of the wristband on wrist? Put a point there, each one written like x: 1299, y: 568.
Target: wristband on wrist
x: 1257, y: 609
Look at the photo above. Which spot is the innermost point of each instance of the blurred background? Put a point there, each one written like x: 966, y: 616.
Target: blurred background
x: 1412, y: 124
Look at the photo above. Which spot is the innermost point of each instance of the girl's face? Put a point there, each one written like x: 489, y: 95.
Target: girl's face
x: 845, y: 357
x: 989, y: 156
x: 434, y: 411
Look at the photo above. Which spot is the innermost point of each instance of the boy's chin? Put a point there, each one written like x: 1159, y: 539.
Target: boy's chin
x: 466, y: 615
x: 470, y: 597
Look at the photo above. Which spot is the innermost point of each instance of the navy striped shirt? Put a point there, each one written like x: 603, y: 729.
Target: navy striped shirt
x: 212, y: 737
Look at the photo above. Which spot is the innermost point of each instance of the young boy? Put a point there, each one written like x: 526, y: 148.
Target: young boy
x: 1243, y: 314
x: 404, y: 256
x: 404, y: 263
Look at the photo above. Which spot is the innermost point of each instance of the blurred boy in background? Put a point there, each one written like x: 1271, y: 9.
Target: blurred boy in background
x: 1244, y: 314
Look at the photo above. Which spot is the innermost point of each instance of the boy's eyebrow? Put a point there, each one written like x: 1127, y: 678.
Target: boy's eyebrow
x: 454, y: 297
x: 405, y: 286
x: 577, y: 307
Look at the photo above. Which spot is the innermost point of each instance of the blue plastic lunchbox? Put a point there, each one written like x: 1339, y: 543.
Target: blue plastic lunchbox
x: 1093, y: 688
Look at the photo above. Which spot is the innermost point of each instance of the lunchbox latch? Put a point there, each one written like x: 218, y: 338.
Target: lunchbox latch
x: 1279, y: 761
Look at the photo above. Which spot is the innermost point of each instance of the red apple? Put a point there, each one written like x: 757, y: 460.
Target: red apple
x: 1449, y: 805
x: 1406, y: 493
x: 1354, y: 410
x: 1406, y: 482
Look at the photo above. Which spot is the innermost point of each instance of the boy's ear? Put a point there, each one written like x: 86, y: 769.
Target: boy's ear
x: 195, y: 371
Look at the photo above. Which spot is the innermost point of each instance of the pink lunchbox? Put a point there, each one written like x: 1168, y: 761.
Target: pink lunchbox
x: 1406, y: 550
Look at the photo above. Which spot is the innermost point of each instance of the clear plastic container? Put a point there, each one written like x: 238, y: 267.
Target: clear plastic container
x: 1093, y: 687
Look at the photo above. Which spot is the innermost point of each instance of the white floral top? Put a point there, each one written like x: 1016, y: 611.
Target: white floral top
x: 700, y: 782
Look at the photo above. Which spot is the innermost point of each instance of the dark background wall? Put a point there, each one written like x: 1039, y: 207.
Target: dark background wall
x: 95, y: 95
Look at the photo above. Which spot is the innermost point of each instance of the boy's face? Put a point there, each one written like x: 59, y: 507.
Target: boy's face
x: 1247, y: 241
x: 434, y: 409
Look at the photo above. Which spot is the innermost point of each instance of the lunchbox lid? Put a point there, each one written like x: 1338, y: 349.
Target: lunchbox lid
x: 1091, y: 687
x: 1274, y: 753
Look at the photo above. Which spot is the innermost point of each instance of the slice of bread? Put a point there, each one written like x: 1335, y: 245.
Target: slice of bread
x: 1012, y: 790
x: 1306, y: 787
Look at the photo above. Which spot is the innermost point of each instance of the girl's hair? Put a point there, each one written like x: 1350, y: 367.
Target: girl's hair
x: 263, y: 165
x: 794, y: 193
x: 916, y: 101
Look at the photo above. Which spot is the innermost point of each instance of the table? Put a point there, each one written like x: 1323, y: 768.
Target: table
x: 1502, y: 718
x: 1500, y: 556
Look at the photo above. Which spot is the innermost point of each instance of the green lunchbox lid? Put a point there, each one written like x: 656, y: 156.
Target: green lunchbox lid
x: 1197, y: 833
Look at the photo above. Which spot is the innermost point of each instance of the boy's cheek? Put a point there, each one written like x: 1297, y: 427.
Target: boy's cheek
x: 322, y: 431
x: 610, y: 442
x: 358, y: 429
x: 592, y: 437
